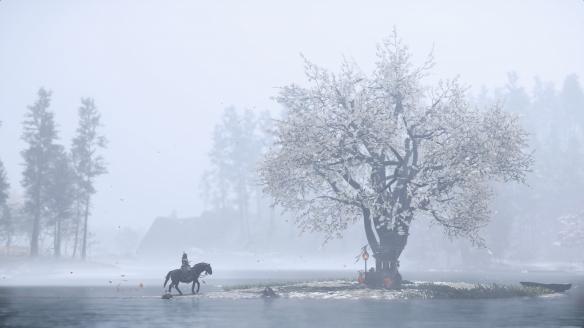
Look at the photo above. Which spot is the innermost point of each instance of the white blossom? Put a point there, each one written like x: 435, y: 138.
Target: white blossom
x: 386, y: 144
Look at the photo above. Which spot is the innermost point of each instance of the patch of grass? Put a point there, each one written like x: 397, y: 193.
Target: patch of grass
x: 427, y: 290
x: 479, y: 291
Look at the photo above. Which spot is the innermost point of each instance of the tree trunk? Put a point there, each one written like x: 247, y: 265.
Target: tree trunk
x: 86, y: 216
x: 57, y: 241
x: 34, y: 239
x: 77, y: 220
x: 243, y: 215
x: 392, y: 245
x: 76, y: 238
x: 386, y: 249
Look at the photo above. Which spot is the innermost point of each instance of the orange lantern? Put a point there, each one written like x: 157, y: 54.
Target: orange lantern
x: 387, y: 282
x: 365, y: 255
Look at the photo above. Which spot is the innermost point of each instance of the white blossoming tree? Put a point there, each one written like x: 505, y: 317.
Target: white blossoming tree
x: 385, y: 149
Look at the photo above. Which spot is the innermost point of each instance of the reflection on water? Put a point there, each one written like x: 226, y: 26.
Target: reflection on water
x: 111, y: 307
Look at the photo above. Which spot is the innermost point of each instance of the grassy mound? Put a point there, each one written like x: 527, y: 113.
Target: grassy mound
x: 345, y: 289
x: 444, y: 290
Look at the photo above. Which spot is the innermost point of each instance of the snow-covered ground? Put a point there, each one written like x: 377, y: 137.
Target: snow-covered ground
x: 350, y: 290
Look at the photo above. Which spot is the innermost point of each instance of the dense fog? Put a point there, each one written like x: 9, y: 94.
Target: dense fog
x: 184, y: 101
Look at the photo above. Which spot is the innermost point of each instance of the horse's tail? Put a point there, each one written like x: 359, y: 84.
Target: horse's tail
x: 167, y: 277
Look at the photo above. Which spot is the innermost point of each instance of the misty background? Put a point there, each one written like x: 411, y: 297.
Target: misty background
x: 165, y: 78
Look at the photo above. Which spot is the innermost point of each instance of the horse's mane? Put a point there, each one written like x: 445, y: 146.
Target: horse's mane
x: 200, y: 264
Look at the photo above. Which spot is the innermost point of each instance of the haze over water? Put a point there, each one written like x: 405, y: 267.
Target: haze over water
x: 190, y: 97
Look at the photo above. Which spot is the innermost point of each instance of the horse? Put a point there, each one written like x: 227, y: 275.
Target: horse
x: 192, y: 275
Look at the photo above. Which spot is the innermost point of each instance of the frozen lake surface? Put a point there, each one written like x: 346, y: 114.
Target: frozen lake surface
x: 235, y: 302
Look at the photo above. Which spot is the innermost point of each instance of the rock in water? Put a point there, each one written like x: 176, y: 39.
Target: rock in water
x: 383, y: 279
x: 269, y: 292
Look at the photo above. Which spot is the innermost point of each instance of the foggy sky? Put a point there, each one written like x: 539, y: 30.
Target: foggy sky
x: 161, y: 72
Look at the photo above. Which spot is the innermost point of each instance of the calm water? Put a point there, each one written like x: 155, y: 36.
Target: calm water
x: 130, y: 306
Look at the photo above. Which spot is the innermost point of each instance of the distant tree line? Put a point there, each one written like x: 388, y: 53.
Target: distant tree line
x: 538, y: 222
x: 526, y: 224
x: 58, y: 182
x: 231, y: 183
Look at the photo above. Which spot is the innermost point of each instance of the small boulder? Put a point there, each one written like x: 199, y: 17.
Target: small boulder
x: 269, y: 293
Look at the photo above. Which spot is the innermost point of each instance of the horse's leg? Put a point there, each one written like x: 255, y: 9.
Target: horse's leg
x: 176, y: 287
x: 198, y: 285
x: 171, y: 283
x: 193, y: 287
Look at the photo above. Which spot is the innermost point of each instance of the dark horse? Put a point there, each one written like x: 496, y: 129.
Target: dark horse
x: 192, y: 275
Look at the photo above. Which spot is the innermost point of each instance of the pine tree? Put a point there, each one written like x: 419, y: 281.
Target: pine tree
x: 572, y: 100
x: 234, y: 156
x: 3, y: 186
x: 88, y: 164
x: 40, y: 134
x: 60, y: 197
x: 6, y: 226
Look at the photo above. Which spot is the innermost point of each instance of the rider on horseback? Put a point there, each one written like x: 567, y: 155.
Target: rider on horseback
x: 187, y: 276
x: 185, y: 263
